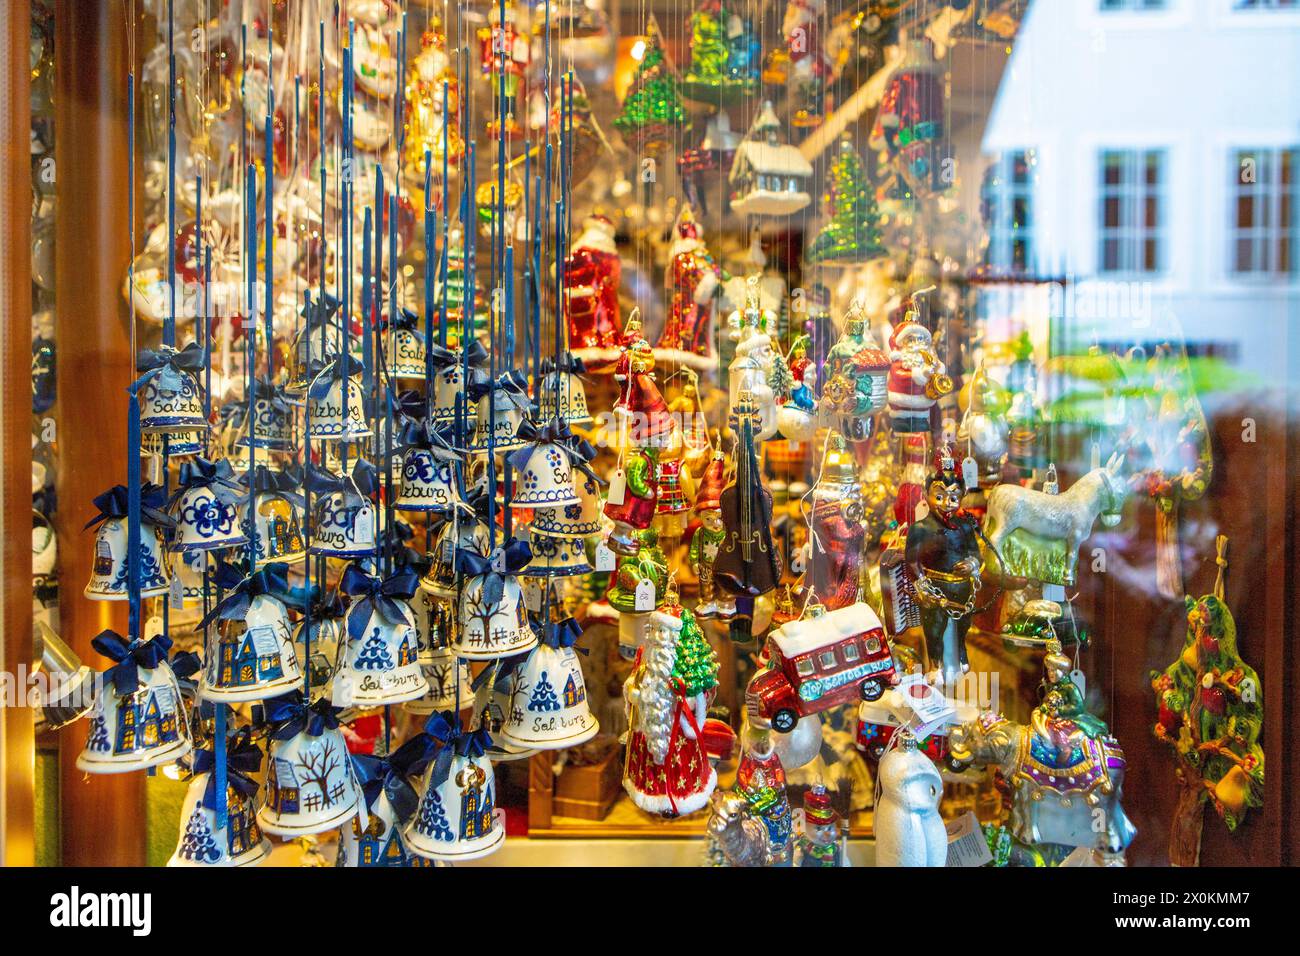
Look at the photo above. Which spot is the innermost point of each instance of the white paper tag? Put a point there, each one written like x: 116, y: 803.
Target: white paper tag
x: 645, y: 596
x: 970, y: 472
x: 342, y: 690
x: 1054, y: 592
x: 735, y: 26
x: 966, y: 843
x: 1080, y: 681
x: 922, y: 509
x: 153, y: 626
x: 533, y: 594
x: 932, y: 709
x: 605, y: 560
x: 176, y: 594
x: 617, y: 488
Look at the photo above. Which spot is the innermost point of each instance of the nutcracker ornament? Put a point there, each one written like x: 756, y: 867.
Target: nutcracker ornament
x: 724, y: 55
x: 1210, y: 705
x: 852, y: 236
x: 707, y: 539
x: 591, y: 279
x: 693, y: 282
x: 667, y: 769
x: 944, y: 562
x: 652, y: 111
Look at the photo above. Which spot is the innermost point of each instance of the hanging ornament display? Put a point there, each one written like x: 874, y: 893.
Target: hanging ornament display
x: 769, y: 177
x: 380, y: 662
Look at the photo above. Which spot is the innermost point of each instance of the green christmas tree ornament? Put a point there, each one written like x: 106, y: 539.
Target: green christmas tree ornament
x: 725, y: 55
x: 853, y: 234
x: 652, y: 110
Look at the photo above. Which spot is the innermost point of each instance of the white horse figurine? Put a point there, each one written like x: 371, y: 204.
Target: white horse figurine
x: 1067, y: 517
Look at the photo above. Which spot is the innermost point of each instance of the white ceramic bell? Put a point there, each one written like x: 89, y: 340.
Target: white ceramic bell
x: 171, y: 403
x: 556, y: 557
x: 491, y: 707
x: 448, y: 385
x: 406, y: 357
x: 546, y: 480
x: 428, y: 482
x: 492, y: 630
x: 109, y: 572
x: 275, y: 528
x: 548, y: 705
x: 442, y: 579
x: 310, y: 786
x: 273, y: 423
x: 573, y: 521
x: 562, y: 395
x: 345, y: 525
x: 206, y: 520
x: 322, y: 656
x: 203, y: 843
x: 501, y: 424
x: 325, y: 417
x: 449, y: 684
x: 312, y: 347
x: 380, y: 843
x: 457, y: 818
x: 380, y: 663
x: 135, y: 731
x: 252, y: 659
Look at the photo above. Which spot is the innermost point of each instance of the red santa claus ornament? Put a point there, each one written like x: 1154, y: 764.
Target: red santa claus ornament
x: 591, y: 278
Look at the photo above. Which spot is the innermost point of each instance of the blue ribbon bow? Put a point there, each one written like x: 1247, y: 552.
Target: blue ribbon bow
x: 243, y: 759
x: 557, y: 433
x: 115, y: 503
x: 449, y: 740
x: 385, y: 596
x: 289, y: 716
x: 169, y: 366
x: 218, y: 476
x: 511, y: 385
x: 365, y: 479
x: 341, y: 366
x: 509, y: 558
x: 569, y: 363
x: 272, y: 580
x: 130, y: 657
x: 392, y: 775
x: 563, y: 633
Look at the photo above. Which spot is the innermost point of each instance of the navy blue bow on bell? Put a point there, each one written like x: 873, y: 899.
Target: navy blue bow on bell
x: 568, y: 363
x: 271, y: 580
x: 169, y: 367
x: 511, y: 386
x: 218, y: 476
x: 511, y: 557
x: 563, y: 633
x: 289, y: 716
x: 557, y: 433
x: 450, y: 739
x: 130, y: 657
x: 392, y: 775
x: 342, y: 366
x: 364, y: 479
x: 243, y: 759
x: 115, y: 503
x: 385, y: 596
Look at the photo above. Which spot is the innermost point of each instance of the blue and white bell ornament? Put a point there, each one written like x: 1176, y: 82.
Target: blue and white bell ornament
x: 502, y: 406
x: 310, y: 784
x: 110, y: 571
x: 250, y: 653
x: 318, y: 343
x: 429, y: 470
x: 274, y: 525
x: 240, y: 842
x: 405, y: 347
x: 333, y: 388
x: 206, y: 507
x: 457, y: 818
x: 318, y: 647
x: 171, y: 401
x: 461, y: 530
x: 449, y: 379
x: 493, y: 619
x: 387, y: 786
x: 494, y: 689
x: 548, y: 703
x: 583, y: 520
x: 345, y: 521
x: 450, y: 684
x: 544, y: 466
x: 273, y: 420
x: 556, y: 557
x: 380, y: 659
x: 138, y: 720
x: 561, y: 393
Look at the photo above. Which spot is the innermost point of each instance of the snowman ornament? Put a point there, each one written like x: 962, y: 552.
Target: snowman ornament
x: 909, y: 830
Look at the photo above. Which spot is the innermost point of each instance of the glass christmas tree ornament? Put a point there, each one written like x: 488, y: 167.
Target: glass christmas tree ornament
x: 250, y: 653
x: 310, y: 785
x: 652, y: 111
x: 457, y: 817
x: 206, y: 507
x: 548, y: 703
x: 852, y: 236
x: 240, y: 842
x: 381, y: 652
x: 724, y: 55
x: 110, y: 573
x: 138, y: 720
x: 768, y: 177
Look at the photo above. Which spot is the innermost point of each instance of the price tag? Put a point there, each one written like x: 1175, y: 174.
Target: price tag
x: 970, y: 473
x: 342, y: 693
x: 605, y: 560
x: 645, y: 596
x: 966, y: 843
x: 933, y: 711
x: 176, y: 594
x: 735, y: 26
x: 1078, y: 679
x: 922, y: 509
x: 1054, y: 592
x: 153, y: 627
x: 617, y: 488
x: 533, y: 594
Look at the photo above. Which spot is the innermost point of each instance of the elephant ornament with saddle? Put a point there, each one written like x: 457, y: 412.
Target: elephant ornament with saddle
x: 1065, y: 771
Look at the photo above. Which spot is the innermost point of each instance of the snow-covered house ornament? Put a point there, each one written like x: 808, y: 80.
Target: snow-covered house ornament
x: 768, y: 177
